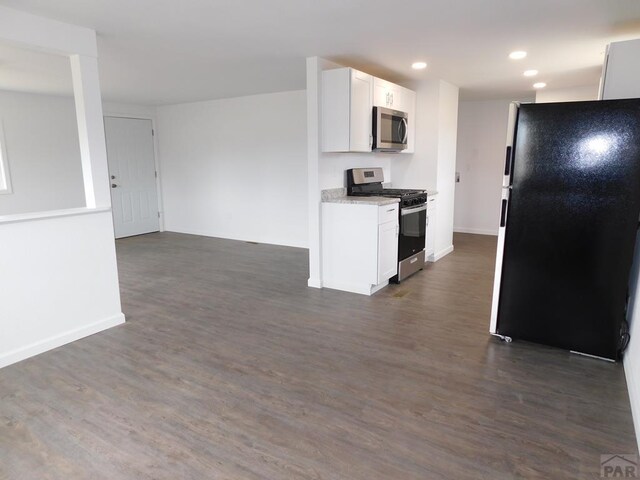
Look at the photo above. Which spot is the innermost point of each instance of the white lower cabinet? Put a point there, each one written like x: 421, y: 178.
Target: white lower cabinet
x: 431, y: 228
x: 387, y: 251
x: 359, y: 246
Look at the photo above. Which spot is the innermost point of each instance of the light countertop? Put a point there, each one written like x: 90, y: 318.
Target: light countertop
x: 339, y: 195
x: 362, y: 200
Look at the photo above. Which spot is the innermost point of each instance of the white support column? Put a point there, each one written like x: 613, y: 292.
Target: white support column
x: 86, y: 88
x: 313, y: 149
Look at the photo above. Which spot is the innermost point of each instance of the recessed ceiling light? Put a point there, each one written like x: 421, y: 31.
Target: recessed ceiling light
x: 539, y: 85
x: 419, y: 65
x: 530, y: 73
x: 517, y: 55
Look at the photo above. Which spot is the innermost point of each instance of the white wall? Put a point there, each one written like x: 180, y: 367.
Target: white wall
x: 129, y: 110
x: 236, y: 168
x: 59, y: 275
x: 632, y: 355
x: 572, y: 94
x: 59, y: 282
x: 41, y: 136
x: 447, y: 136
x: 420, y: 169
x: 482, y: 133
x: 622, y: 80
x: 432, y: 166
x: 333, y: 166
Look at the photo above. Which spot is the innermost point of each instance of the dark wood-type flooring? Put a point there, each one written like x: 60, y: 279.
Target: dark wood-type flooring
x: 229, y: 367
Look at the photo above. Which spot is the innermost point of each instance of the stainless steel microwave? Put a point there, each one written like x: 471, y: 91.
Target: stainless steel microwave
x: 389, y: 130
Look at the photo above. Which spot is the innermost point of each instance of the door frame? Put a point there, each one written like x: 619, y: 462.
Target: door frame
x: 156, y: 160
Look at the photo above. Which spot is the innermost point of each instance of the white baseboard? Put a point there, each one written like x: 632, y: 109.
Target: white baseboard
x: 353, y: 287
x: 634, y: 396
x: 476, y: 231
x: 442, y: 253
x: 224, y: 236
x: 56, y: 341
x: 314, y: 283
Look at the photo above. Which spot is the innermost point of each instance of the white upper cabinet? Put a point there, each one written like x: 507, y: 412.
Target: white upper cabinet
x: 387, y: 94
x: 347, y: 96
x: 621, y: 72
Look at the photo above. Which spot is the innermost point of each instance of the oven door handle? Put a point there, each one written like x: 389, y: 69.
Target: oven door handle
x: 409, y: 211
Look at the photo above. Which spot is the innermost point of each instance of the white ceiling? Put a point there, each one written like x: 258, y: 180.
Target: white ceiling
x: 168, y: 51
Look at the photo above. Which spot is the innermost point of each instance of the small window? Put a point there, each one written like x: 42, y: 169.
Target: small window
x: 5, y: 178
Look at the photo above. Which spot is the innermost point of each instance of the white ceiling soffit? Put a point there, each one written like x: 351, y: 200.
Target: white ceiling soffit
x: 163, y: 51
x: 30, y: 71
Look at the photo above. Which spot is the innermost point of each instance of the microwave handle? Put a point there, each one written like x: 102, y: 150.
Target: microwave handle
x: 406, y: 130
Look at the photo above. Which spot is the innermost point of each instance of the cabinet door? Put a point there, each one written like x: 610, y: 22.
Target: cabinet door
x: 622, y: 71
x: 380, y: 93
x: 395, y: 97
x: 361, y: 123
x: 387, y: 251
x: 387, y: 94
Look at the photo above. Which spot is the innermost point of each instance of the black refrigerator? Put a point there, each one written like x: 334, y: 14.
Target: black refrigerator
x: 568, y: 223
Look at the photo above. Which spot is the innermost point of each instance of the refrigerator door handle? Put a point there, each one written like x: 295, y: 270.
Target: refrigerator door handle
x: 511, y: 135
x: 502, y: 230
x: 503, y: 213
x: 507, y: 163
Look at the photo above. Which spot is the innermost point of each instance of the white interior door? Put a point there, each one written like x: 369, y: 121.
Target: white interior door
x: 132, y: 168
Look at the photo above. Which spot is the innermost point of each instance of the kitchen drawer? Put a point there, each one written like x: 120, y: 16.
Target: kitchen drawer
x: 431, y: 203
x: 388, y: 213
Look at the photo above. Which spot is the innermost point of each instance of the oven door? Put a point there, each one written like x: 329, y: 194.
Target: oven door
x: 413, y: 230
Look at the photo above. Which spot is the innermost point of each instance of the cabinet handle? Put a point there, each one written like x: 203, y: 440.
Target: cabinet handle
x: 391, y: 210
x: 392, y: 99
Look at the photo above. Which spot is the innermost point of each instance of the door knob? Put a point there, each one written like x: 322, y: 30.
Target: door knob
x: 113, y: 185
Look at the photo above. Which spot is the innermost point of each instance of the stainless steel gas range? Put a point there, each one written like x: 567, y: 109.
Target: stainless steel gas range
x: 413, y: 216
